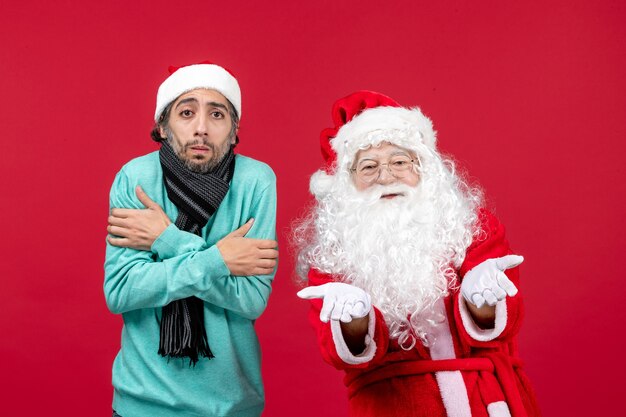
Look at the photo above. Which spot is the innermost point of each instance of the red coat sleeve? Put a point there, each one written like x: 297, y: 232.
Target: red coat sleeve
x: 491, y: 243
x: 324, y: 332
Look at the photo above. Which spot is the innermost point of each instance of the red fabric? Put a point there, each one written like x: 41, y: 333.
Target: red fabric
x: 355, y: 381
x: 491, y: 370
x: 343, y: 111
x: 172, y: 68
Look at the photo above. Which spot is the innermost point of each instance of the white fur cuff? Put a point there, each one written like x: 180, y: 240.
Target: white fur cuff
x: 483, y: 335
x: 342, y: 349
x: 498, y: 409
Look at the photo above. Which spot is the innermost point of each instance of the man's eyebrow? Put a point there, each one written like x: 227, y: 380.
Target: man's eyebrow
x: 185, y: 101
x: 194, y: 100
x: 217, y: 104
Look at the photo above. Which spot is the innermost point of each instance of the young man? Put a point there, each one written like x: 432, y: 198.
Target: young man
x: 190, y: 258
x: 413, y: 286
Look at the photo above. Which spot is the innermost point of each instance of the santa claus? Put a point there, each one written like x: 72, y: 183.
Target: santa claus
x: 413, y: 286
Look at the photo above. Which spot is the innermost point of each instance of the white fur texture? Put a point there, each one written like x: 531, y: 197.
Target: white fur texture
x: 474, y: 330
x: 401, y: 251
x: 407, y: 128
x: 342, y: 348
x: 453, y: 393
x: 498, y: 409
x: 191, y: 77
x: 451, y: 386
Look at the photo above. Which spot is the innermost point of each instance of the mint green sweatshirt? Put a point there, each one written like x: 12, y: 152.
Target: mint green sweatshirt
x: 139, y: 283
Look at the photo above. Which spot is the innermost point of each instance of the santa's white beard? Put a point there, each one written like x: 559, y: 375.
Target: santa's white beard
x: 402, y: 251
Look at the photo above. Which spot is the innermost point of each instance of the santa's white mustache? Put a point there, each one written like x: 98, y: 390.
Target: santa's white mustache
x: 375, y: 193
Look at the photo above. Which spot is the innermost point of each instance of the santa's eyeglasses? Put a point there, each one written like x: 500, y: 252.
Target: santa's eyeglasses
x: 368, y: 170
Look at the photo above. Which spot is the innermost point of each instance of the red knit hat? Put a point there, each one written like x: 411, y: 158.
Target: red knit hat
x: 363, y: 119
x: 202, y: 75
x: 344, y: 111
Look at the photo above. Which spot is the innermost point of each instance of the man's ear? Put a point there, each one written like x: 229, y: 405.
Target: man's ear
x: 233, y: 140
x: 162, y: 132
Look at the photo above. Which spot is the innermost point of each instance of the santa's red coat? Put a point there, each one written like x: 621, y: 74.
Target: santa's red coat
x: 467, y: 371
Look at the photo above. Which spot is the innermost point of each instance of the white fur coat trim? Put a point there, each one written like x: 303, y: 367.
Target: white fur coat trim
x: 342, y: 348
x: 483, y: 335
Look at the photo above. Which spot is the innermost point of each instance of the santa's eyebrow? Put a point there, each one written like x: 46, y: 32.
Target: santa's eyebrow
x: 400, y: 152
x: 360, y: 161
x: 391, y: 155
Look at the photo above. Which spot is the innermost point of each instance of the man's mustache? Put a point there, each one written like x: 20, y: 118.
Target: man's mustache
x: 200, y: 142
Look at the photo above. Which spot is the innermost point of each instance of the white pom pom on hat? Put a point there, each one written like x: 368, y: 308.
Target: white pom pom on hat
x: 202, y: 75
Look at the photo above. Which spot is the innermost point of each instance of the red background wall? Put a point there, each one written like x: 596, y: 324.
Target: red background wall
x: 530, y: 98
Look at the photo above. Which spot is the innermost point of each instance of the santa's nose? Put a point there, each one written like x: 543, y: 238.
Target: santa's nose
x: 384, y: 176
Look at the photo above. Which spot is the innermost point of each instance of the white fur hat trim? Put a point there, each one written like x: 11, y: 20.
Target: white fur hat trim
x: 407, y: 128
x: 189, y: 78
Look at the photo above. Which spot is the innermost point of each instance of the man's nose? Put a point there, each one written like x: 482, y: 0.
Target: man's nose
x: 202, y: 126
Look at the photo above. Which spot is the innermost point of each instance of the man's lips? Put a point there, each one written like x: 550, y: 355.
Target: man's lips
x: 200, y: 148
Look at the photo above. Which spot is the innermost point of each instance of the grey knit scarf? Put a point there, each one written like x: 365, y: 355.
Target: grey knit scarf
x: 197, y: 196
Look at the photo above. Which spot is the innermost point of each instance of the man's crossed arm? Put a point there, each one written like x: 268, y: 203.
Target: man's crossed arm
x: 139, y: 228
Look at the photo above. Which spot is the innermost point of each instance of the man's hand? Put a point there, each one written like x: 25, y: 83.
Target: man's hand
x: 342, y: 302
x: 487, y: 283
x: 137, y: 228
x: 245, y: 256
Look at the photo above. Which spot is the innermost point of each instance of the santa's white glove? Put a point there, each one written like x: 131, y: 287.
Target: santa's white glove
x: 487, y: 282
x: 341, y: 301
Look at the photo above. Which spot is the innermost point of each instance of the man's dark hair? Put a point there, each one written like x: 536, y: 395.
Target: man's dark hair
x: 164, y: 119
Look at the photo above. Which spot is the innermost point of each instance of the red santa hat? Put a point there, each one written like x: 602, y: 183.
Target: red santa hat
x: 364, y: 119
x: 202, y: 75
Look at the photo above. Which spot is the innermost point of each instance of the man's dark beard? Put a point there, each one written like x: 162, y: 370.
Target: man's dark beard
x: 191, y: 164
